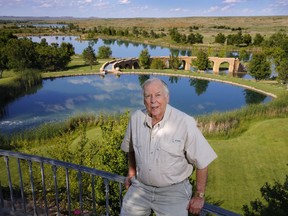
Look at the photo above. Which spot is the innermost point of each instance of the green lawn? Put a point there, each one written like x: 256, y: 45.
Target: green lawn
x: 245, y: 163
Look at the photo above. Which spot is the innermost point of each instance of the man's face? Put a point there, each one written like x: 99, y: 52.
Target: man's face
x: 155, y: 99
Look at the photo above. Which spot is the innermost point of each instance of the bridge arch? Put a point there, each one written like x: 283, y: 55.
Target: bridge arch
x: 186, y: 61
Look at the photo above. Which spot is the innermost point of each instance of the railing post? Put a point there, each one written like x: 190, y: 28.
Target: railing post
x: 1, y: 197
x: 106, y: 182
x: 44, y: 188
x: 80, y: 191
x: 32, y: 187
x: 120, y: 195
x: 68, y: 191
x: 93, y: 195
x: 21, y: 185
x: 6, y: 158
x: 54, y: 168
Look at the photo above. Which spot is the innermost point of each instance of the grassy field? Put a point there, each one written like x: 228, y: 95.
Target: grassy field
x: 209, y: 27
x: 246, y: 162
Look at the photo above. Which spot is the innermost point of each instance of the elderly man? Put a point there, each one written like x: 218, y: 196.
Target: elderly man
x: 163, y: 145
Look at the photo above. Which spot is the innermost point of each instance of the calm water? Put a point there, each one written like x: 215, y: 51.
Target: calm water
x: 63, y: 97
x: 120, y: 49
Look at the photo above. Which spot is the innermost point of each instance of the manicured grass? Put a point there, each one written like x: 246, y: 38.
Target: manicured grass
x: 248, y: 161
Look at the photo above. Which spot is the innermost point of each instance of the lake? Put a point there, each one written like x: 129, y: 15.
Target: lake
x: 62, y: 98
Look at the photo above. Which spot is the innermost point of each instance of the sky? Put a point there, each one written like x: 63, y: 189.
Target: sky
x: 142, y: 8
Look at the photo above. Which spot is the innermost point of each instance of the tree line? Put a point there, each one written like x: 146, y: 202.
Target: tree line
x: 20, y: 54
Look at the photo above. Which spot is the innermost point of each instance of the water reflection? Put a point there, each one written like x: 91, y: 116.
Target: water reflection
x: 199, y: 85
x: 252, y: 97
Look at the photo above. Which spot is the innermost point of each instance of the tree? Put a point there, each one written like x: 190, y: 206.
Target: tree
x: 199, y: 38
x: 220, y: 38
x: 202, y: 61
x: 104, y: 52
x: 4, y: 38
x: 53, y: 57
x: 282, y: 70
x: 247, y: 39
x: 174, y: 61
x: 3, y: 61
x: 276, y: 201
x: 144, y: 59
x: 157, y: 63
x: 89, y: 56
x: 258, y: 39
x: 235, y: 39
x: 244, y: 55
x: 259, y: 67
x: 21, y: 54
x: 279, y: 39
x: 175, y: 35
x: 65, y: 52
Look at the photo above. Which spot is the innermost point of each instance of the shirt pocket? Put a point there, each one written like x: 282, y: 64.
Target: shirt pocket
x: 171, y: 155
x: 173, y: 148
x: 138, y: 149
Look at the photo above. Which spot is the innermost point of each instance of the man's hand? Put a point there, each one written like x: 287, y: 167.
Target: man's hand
x: 195, y: 205
x: 127, y: 182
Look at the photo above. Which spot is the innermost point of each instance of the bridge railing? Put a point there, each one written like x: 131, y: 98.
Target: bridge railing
x: 16, y: 198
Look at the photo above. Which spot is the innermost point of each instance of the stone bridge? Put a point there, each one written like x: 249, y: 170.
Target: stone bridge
x: 132, y: 63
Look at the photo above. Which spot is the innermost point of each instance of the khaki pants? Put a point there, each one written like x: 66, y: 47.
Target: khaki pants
x: 172, y: 200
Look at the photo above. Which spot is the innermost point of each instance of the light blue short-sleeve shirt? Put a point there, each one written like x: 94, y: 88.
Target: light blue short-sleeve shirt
x: 166, y: 153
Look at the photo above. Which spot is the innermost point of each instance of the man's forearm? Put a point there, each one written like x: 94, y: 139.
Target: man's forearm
x: 201, y: 179
x: 131, y: 164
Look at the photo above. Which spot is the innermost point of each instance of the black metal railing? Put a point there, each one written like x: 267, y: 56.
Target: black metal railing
x: 15, y: 197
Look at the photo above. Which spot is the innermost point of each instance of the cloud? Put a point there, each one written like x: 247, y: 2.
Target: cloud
x: 178, y: 10
x: 102, y: 97
x: 13, y: 3
x: 247, y: 11
x: 281, y: 3
x: 232, y: 1
x: 102, y: 4
x: 212, y: 9
x: 124, y: 2
x: 227, y: 7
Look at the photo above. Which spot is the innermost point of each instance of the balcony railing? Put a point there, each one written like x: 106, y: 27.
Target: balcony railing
x: 20, y: 194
